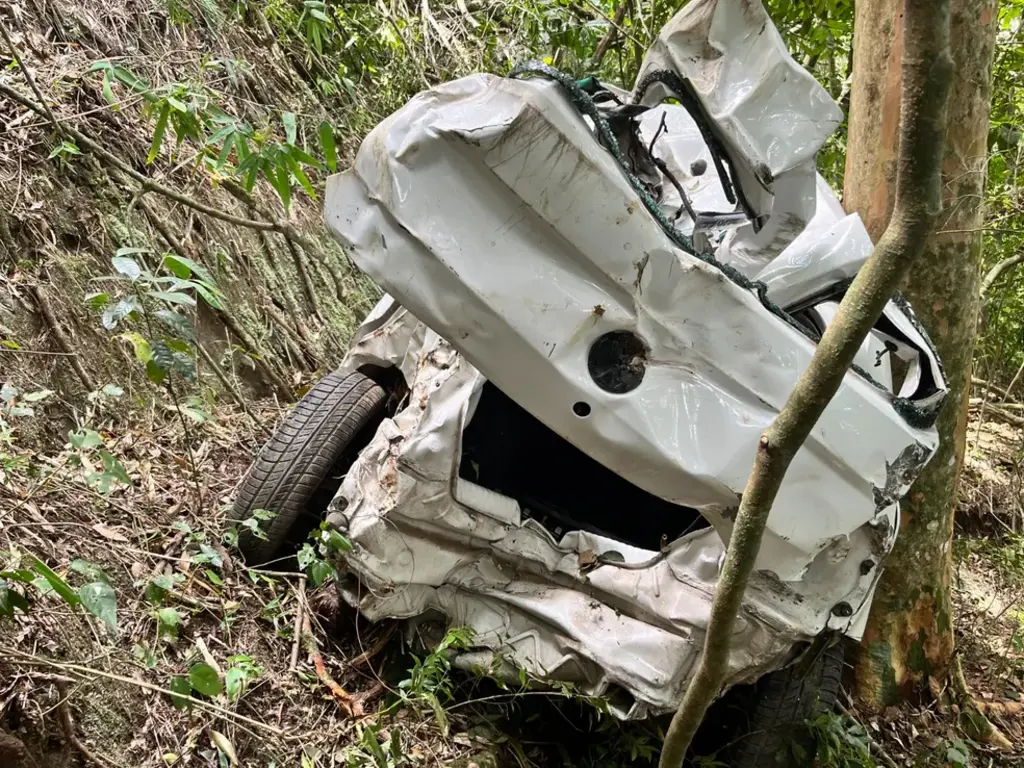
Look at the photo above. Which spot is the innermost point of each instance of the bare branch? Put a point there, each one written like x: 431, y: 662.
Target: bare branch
x: 993, y: 274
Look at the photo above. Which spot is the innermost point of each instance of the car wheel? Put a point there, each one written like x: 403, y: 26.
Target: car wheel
x: 765, y: 725
x: 316, y: 441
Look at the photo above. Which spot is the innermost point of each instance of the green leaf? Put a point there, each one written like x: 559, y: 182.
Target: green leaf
x: 234, y: 682
x: 143, y: 351
x: 91, y: 571
x: 290, y: 128
x: 327, y: 145
x: 158, y: 134
x: 108, y: 92
x: 320, y: 571
x: 96, y: 301
x: 112, y: 390
x: 280, y: 179
x: 113, y: 315
x: 128, y: 267
x: 114, y: 467
x: 184, y: 268
x: 35, y: 397
x: 59, y: 585
x: 297, y: 171
x: 210, y: 294
x: 100, y: 600
x: 336, y: 542
x: 85, y: 439
x: 180, y: 687
x: 178, y: 323
x: 174, y: 297
x: 204, y: 679
x: 11, y: 599
x: 23, y: 575
x: 155, y: 373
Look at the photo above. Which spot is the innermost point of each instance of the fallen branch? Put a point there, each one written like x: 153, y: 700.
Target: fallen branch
x: 68, y: 726
x: 89, y: 672
x: 1001, y: 412
x: 348, y: 703
x: 39, y: 296
x: 927, y: 70
x: 300, y: 605
x: 985, y: 385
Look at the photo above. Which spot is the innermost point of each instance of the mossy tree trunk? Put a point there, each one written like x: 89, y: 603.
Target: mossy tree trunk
x: 908, y: 646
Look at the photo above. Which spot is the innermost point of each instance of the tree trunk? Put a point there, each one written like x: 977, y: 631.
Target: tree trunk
x: 908, y: 645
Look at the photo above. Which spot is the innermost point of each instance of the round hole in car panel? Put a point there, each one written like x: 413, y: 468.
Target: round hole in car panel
x: 581, y: 409
x: 617, y: 362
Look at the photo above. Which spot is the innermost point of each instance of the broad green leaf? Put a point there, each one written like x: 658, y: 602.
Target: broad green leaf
x: 23, y: 575
x: 113, y: 315
x: 204, y: 679
x: 210, y: 294
x: 85, y: 439
x: 158, y: 134
x: 297, y: 171
x: 234, y: 682
x: 128, y: 267
x: 154, y: 372
x: 176, y: 104
x: 174, y: 297
x: 181, y: 688
x: 328, y: 147
x: 91, y: 571
x: 100, y: 600
x: 11, y: 599
x: 178, y: 323
x: 143, y: 351
x: 320, y: 571
x: 184, y: 268
x: 108, y: 92
x: 336, y: 542
x: 114, y: 467
x: 112, y: 390
x: 290, y: 128
x: 34, y: 397
x: 59, y: 585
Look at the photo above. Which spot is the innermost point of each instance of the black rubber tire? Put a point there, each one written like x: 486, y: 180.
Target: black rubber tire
x: 768, y: 720
x: 309, y: 443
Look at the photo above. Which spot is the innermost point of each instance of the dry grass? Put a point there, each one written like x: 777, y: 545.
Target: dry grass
x: 112, y: 681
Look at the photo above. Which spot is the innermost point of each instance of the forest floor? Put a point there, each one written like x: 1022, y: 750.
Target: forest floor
x: 77, y: 691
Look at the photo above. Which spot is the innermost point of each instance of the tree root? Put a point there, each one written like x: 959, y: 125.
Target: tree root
x: 974, y: 713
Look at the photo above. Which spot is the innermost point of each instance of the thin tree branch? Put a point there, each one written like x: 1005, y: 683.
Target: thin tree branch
x: 993, y: 274
x: 39, y: 295
x: 609, y: 37
x: 927, y: 70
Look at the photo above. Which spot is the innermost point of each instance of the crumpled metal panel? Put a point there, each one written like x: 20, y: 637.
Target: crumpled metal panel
x: 488, y: 210
x: 426, y: 540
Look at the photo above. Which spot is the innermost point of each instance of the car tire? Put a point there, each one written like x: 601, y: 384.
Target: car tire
x: 768, y: 721
x: 311, y: 445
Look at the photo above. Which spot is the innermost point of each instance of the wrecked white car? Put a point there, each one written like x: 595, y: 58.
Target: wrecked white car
x: 596, y: 302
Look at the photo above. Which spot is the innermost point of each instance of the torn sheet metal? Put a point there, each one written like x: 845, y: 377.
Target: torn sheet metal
x: 513, y: 245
